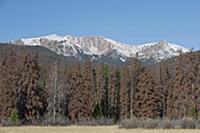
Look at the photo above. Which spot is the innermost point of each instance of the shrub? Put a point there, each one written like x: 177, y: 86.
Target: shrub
x: 151, y: 123
x: 130, y: 123
x: 61, y: 121
x: 187, y: 123
x: 160, y: 123
x: 197, y: 124
x: 95, y: 122
x: 14, y: 118
x: 192, y: 111
x: 165, y: 124
x: 96, y: 114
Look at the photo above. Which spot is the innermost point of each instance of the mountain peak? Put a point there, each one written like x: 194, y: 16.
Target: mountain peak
x: 163, y: 42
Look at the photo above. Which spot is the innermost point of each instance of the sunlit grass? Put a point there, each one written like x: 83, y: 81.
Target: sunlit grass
x: 88, y: 129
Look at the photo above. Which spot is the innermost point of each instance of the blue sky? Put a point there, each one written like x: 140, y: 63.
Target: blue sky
x: 127, y: 21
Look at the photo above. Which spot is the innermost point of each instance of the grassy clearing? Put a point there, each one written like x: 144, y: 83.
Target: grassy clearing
x: 88, y: 129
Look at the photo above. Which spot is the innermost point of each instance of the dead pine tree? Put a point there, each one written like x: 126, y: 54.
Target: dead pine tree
x: 56, y: 95
x: 31, y: 98
x: 81, y: 100
x: 135, y: 68
x: 147, y: 97
x: 125, y: 94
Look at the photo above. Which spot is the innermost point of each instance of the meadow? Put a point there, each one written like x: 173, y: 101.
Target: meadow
x: 89, y: 129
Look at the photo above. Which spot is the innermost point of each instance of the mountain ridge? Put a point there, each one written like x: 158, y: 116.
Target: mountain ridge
x: 97, y: 47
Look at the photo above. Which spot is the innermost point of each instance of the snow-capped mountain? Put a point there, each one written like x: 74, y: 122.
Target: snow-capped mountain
x: 98, y: 47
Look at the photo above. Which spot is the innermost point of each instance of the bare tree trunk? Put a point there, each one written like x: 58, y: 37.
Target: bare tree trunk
x: 131, y: 108
x: 55, y: 91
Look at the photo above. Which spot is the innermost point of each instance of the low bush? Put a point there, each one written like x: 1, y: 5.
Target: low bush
x: 185, y: 123
x: 95, y: 122
x: 188, y: 123
x: 38, y: 122
x: 165, y: 124
x: 131, y: 123
x: 14, y: 117
x: 150, y: 123
x: 61, y: 121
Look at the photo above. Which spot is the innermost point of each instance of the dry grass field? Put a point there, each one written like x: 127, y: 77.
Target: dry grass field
x: 87, y: 129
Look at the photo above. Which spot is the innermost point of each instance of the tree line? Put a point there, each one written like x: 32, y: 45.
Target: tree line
x: 33, y: 92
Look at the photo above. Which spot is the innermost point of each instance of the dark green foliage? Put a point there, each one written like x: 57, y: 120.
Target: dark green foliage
x: 14, y: 117
x: 192, y: 112
x: 96, y: 114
